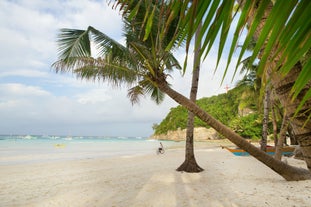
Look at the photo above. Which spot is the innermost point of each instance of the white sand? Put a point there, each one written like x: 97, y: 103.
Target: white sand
x: 151, y: 180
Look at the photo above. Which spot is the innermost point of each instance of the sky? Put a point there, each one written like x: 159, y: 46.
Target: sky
x: 36, y: 100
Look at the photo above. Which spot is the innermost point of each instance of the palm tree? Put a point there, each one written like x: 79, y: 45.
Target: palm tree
x: 146, y: 62
x: 266, y: 100
x: 190, y: 164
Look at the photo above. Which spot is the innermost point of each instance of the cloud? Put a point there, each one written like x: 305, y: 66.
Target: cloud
x: 27, y: 108
x: 35, y: 100
x: 24, y: 73
x: 93, y: 96
x: 19, y: 90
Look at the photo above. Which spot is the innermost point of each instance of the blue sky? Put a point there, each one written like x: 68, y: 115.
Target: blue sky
x: 36, y: 100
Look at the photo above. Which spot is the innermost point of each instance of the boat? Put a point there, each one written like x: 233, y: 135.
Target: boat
x: 286, y: 150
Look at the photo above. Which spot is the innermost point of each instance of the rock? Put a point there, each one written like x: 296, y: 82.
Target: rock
x: 245, y: 111
x: 200, y: 134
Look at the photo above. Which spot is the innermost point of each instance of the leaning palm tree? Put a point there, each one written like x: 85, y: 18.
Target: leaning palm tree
x: 146, y: 62
x: 282, y: 34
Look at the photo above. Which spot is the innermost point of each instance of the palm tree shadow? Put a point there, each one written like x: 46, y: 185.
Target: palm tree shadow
x: 200, y: 189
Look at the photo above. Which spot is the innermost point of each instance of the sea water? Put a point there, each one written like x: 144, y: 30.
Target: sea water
x: 16, y: 149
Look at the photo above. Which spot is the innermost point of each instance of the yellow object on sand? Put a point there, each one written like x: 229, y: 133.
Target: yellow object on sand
x: 59, y: 145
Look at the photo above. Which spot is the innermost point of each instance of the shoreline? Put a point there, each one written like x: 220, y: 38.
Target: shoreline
x: 151, y: 180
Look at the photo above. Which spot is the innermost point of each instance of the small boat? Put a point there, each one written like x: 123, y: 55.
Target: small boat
x: 286, y: 150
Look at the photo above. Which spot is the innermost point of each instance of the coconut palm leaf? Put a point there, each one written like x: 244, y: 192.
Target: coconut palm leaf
x: 156, y: 94
x: 136, y: 64
x: 73, y: 43
x: 116, y: 66
x: 286, y: 32
x: 145, y: 87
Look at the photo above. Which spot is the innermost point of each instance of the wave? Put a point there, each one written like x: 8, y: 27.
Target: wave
x: 53, y: 138
x: 27, y: 137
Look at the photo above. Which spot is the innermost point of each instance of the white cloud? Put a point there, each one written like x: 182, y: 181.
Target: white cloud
x: 19, y: 90
x: 94, y: 96
x: 24, y: 73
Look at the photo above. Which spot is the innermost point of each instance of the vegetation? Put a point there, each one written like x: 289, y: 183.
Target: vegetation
x: 249, y: 126
x: 225, y: 108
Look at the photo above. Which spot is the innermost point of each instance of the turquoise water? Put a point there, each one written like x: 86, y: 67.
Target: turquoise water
x: 34, y: 149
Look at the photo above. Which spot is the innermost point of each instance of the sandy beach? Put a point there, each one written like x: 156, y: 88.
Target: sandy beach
x: 151, y: 180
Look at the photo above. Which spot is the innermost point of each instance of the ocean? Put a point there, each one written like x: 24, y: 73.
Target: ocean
x: 15, y: 149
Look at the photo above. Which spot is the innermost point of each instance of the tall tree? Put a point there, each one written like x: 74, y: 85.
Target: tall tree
x: 190, y: 164
x: 266, y: 106
x: 274, y: 106
x: 282, y: 138
x: 146, y: 62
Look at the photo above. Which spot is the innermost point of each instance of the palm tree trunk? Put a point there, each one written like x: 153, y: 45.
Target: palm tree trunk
x: 293, y: 140
x: 288, y: 172
x: 275, y: 125
x: 190, y: 164
x: 279, y: 146
x: 266, y: 104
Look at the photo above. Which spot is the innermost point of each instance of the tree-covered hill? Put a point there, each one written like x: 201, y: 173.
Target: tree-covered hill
x: 224, y: 107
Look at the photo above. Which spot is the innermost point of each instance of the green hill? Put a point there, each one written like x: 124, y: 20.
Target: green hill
x: 225, y: 108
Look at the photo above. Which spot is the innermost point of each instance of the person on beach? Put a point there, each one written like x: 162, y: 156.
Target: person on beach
x: 160, y: 149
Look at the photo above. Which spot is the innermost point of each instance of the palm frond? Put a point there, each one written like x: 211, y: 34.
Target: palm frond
x: 286, y: 32
x: 154, y: 92
x: 171, y: 62
x: 100, y: 69
x: 73, y: 43
x: 145, y: 87
x: 145, y: 55
x: 104, y: 44
x: 135, y: 93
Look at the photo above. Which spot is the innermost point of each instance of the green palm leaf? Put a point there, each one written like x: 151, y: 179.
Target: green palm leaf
x: 143, y: 59
x: 286, y: 32
x: 73, y: 43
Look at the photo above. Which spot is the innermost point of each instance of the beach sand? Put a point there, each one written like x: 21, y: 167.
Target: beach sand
x: 151, y: 180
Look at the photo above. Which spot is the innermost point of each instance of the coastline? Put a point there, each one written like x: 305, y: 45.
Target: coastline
x: 151, y: 180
